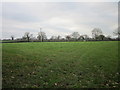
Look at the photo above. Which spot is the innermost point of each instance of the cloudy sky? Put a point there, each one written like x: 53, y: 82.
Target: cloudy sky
x: 58, y: 18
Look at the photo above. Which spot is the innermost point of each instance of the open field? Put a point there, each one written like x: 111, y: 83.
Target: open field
x: 60, y: 64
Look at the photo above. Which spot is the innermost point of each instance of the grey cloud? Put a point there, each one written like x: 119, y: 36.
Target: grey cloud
x: 61, y: 17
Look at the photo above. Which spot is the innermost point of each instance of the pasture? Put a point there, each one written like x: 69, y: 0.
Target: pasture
x: 60, y: 65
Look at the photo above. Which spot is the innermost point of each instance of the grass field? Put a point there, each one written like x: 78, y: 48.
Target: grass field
x: 60, y: 64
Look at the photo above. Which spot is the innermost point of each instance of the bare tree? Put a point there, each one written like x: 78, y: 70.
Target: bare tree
x: 53, y: 37
x: 108, y: 37
x: 27, y: 36
x: 86, y: 37
x: 101, y: 37
x: 96, y: 32
x: 81, y: 38
x: 41, y: 36
x: 117, y: 32
x: 75, y: 35
x: 58, y: 37
x: 12, y: 37
x: 68, y: 37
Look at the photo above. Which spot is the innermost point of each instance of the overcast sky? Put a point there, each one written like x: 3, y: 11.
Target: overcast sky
x: 58, y: 18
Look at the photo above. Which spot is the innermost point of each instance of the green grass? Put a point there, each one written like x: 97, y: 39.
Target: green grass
x: 6, y: 40
x: 60, y: 64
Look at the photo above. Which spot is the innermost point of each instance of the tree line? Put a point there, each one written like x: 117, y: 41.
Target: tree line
x: 97, y: 35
